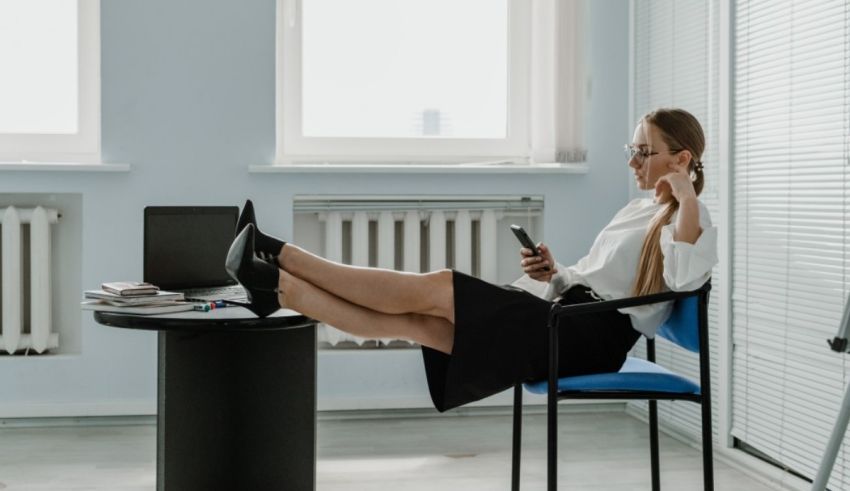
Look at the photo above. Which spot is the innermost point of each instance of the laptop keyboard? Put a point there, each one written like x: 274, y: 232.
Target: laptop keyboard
x: 233, y: 292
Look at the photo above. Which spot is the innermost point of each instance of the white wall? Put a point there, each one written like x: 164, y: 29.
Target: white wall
x: 188, y: 101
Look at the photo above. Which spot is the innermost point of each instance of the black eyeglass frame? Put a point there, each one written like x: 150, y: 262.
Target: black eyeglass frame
x: 634, y: 152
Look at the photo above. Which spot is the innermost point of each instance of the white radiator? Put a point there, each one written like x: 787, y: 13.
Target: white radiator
x: 20, y: 269
x: 414, y: 236
x: 439, y: 249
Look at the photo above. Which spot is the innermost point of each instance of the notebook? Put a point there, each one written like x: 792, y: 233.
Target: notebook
x: 185, y: 248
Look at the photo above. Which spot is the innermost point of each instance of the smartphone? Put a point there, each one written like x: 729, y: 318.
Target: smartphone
x: 526, y: 241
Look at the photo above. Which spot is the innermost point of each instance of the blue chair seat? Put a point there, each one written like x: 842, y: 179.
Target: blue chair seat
x: 635, y: 375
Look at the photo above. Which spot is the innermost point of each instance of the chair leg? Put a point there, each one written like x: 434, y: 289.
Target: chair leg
x: 552, y: 457
x: 552, y: 402
x: 517, y: 444
x: 707, y: 449
x: 653, y: 445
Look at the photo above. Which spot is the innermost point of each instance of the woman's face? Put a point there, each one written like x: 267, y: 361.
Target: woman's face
x: 652, y: 157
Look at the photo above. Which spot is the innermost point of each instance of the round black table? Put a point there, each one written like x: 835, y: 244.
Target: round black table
x: 236, y: 398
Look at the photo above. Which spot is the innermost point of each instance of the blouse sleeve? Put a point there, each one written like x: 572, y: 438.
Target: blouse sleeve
x: 687, y: 266
x: 559, y: 282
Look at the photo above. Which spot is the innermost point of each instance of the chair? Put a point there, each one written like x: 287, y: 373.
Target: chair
x: 637, y: 379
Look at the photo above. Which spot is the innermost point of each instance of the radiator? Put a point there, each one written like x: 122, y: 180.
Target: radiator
x: 413, y: 236
x: 26, y: 280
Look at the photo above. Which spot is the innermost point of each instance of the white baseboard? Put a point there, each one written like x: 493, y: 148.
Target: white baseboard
x: 471, y: 411
x: 65, y: 422
x: 61, y: 409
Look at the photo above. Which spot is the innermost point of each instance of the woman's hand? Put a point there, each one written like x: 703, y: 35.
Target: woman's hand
x: 533, y: 265
x: 676, y: 184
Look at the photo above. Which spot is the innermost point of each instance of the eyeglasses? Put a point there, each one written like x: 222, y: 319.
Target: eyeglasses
x: 641, y: 154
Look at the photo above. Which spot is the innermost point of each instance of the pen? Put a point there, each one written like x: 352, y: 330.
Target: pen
x: 218, y: 304
x: 201, y: 307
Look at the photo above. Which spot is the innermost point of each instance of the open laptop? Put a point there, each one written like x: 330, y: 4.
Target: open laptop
x: 185, y: 248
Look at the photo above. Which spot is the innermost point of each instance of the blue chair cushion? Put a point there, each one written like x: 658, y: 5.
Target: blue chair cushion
x: 635, y: 375
x: 682, y: 327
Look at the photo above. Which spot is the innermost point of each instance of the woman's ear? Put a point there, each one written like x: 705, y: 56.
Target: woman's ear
x: 683, y: 160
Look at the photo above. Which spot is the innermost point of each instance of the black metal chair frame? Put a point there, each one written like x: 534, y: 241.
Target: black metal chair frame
x: 556, y: 313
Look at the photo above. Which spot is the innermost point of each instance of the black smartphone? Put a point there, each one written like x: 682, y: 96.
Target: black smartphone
x: 526, y: 241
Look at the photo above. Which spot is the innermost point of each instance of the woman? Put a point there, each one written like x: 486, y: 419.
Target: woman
x: 479, y: 339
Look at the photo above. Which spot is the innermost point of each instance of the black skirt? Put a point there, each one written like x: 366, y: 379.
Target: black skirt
x: 500, y: 339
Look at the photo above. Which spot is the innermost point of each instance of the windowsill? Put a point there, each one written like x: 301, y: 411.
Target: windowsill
x: 322, y: 168
x: 62, y: 167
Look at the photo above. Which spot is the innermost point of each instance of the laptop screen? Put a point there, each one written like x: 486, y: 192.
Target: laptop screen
x: 185, y: 246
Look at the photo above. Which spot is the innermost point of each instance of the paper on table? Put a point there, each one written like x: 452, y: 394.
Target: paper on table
x: 129, y: 288
x: 159, y: 297
x: 162, y: 308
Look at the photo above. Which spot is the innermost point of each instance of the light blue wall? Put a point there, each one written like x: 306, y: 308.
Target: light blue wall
x: 188, y: 100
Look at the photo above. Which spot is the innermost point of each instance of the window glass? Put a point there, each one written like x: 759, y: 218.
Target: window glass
x: 405, y: 68
x: 38, y: 56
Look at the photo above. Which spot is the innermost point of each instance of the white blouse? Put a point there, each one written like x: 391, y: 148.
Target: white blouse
x: 611, y: 265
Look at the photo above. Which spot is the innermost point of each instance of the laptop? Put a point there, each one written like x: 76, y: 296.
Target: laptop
x: 185, y: 248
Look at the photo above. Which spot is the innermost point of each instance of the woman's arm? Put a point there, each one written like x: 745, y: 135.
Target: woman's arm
x: 687, y: 265
x: 678, y: 184
x: 687, y: 223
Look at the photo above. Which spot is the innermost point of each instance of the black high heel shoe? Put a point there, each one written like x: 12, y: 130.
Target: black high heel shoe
x: 267, y: 247
x: 259, y: 278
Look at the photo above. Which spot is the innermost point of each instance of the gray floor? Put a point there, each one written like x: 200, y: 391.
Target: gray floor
x: 602, y: 451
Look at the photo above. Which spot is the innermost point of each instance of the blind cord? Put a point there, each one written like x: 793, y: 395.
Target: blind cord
x: 789, y: 201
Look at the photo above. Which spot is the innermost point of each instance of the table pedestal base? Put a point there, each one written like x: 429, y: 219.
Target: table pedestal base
x: 237, y: 410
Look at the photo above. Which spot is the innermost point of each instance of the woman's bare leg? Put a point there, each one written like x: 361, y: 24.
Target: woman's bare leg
x: 301, y: 295
x: 383, y: 290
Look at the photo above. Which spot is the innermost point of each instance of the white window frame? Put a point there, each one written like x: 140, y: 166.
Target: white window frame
x: 84, y: 146
x: 293, y: 148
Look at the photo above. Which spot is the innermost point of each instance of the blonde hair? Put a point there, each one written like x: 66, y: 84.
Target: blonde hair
x: 680, y: 130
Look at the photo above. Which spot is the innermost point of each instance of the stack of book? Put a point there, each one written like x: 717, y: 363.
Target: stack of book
x: 132, y: 297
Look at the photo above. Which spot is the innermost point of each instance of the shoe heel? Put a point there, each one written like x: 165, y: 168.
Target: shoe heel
x: 234, y: 255
x: 260, y: 309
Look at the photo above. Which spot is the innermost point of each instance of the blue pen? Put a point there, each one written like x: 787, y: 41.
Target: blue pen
x: 219, y: 304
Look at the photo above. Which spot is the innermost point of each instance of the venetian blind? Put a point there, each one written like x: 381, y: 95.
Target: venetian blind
x: 675, y: 58
x: 790, y: 246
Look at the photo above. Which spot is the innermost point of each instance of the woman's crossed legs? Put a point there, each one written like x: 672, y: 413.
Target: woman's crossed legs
x: 369, y: 302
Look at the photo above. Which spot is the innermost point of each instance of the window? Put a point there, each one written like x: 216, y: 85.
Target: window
x: 791, y: 238
x: 406, y: 80
x: 49, y: 91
